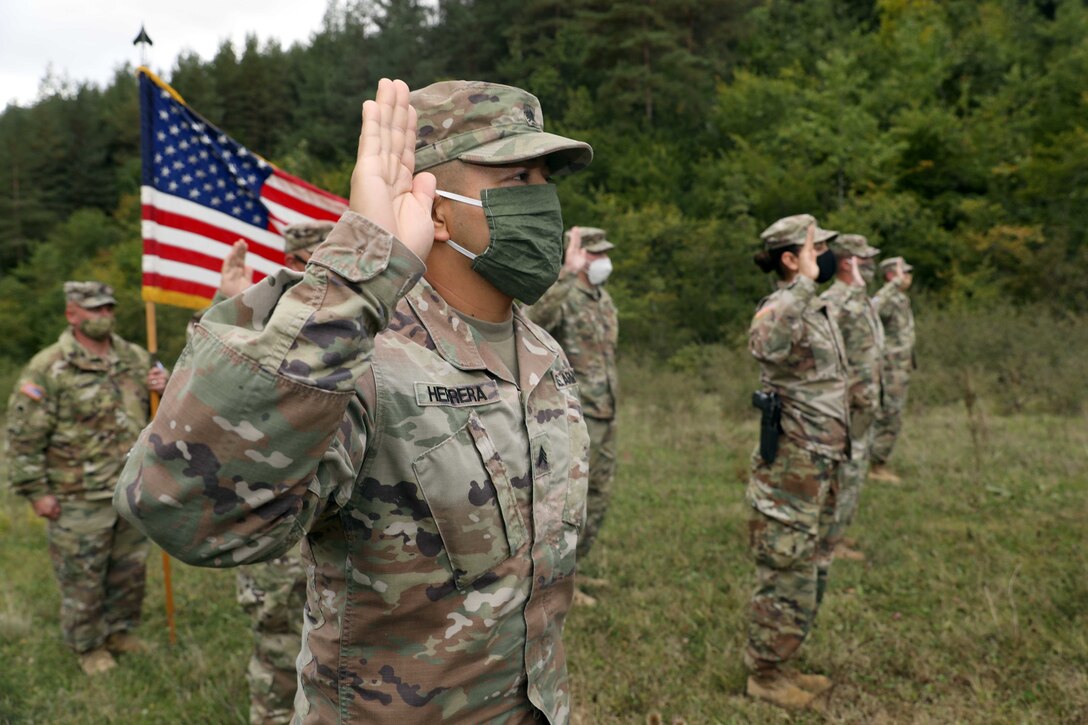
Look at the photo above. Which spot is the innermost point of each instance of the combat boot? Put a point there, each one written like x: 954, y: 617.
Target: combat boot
x: 779, y: 689
x: 125, y: 643
x: 846, y: 553
x: 816, y: 684
x: 880, y: 472
x: 97, y: 661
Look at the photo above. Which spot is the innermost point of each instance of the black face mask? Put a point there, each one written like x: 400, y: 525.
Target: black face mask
x: 827, y: 264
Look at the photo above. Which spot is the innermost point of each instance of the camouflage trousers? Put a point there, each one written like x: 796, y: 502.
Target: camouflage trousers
x: 602, y: 469
x: 890, y: 418
x: 100, y: 563
x: 790, y: 533
x: 274, y: 595
x: 852, y: 473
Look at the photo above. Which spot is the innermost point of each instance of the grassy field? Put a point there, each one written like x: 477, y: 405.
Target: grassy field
x: 972, y: 607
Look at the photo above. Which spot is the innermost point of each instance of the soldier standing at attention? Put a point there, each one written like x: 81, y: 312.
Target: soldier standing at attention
x: 579, y: 314
x: 863, y: 337
x: 421, y: 436
x: 76, y: 409
x: 791, y: 490
x: 893, y: 306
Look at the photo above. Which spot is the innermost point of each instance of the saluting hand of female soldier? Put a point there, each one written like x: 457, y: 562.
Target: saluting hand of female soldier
x: 806, y: 258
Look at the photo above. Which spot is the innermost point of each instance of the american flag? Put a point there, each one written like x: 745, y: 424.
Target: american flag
x: 201, y: 192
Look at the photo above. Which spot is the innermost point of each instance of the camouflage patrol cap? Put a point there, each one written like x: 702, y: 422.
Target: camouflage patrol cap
x: 791, y: 230
x: 593, y: 240
x: 89, y: 294
x: 853, y: 245
x: 892, y: 262
x: 490, y: 124
x: 305, y: 236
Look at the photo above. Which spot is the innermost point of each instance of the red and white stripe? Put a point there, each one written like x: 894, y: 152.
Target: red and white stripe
x: 185, y: 242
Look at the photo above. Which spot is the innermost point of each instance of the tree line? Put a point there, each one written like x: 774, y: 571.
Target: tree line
x: 953, y: 133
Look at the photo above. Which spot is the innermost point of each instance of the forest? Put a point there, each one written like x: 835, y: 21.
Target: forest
x: 952, y: 133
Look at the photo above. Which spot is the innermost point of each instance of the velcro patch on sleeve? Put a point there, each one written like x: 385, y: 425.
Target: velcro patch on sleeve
x: 32, y: 391
x: 564, y: 377
x: 457, y: 396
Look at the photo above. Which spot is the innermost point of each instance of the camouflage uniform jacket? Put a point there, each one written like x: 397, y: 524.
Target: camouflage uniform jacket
x: 72, y: 418
x: 893, y: 306
x: 863, y: 337
x: 440, y: 499
x: 802, y: 358
x: 583, y: 320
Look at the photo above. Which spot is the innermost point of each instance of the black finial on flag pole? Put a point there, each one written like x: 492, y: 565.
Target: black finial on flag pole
x: 143, y: 37
x: 143, y: 40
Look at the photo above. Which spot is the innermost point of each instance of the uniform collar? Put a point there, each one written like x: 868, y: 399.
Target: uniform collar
x: 78, y: 355
x: 851, y: 290
x: 459, y: 345
x: 591, y: 290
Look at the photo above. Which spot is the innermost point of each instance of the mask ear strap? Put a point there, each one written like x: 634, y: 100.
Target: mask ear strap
x: 458, y: 197
x: 461, y: 249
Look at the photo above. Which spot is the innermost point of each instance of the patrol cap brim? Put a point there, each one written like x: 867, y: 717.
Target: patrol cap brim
x: 99, y: 300
x: 599, y: 247
x: 564, y: 155
x: 823, y: 235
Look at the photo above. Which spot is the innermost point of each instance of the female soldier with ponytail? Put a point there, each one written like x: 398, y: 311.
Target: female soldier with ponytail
x: 790, y: 491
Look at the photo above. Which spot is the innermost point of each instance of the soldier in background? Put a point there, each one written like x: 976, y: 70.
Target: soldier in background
x: 863, y: 336
x: 76, y: 409
x: 579, y: 314
x: 804, y: 438
x: 420, y: 436
x: 893, y: 306
x: 273, y: 593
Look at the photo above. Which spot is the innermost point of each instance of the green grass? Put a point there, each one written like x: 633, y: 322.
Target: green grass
x: 972, y: 607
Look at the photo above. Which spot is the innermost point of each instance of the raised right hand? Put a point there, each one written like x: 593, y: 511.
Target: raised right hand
x: 383, y: 188
x: 806, y: 258
x: 576, y: 259
x: 234, y: 276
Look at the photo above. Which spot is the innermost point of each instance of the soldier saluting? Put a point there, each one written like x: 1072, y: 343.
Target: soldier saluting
x: 791, y: 489
x: 439, y: 535
x: 893, y: 305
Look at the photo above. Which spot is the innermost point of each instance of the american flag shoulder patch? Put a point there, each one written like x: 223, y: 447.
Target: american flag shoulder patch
x: 32, y: 391
x: 765, y: 310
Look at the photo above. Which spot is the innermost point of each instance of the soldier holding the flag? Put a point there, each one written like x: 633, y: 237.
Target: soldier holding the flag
x: 74, y: 413
x: 391, y: 408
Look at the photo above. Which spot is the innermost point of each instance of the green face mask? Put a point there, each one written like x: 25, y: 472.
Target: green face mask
x: 525, y: 253
x: 97, y: 328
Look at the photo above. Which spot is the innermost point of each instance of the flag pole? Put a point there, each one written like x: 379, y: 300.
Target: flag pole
x: 153, y: 348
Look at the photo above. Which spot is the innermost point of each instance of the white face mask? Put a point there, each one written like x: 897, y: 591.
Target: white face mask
x: 598, y: 270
